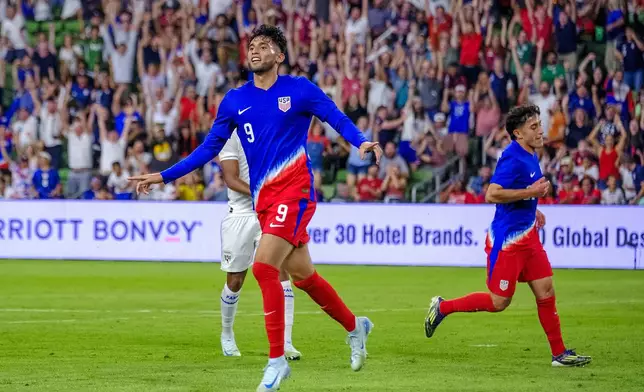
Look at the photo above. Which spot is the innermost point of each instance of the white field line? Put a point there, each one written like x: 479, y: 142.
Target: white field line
x: 239, y: 313
x: 63, y: 321
x: 379, y: 310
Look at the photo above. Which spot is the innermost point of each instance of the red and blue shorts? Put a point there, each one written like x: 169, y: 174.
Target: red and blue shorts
x: 288, y: 219
x: 514, y: 264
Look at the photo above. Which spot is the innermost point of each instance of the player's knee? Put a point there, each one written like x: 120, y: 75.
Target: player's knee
x: 546, y: 292
x: 235, y: 282
x: 501, y: 303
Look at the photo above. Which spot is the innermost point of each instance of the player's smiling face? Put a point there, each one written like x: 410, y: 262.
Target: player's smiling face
x: 531, y: 133
x: 263, y: 55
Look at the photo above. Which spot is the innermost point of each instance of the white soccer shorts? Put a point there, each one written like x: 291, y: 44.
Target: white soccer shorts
x: 240, y: 236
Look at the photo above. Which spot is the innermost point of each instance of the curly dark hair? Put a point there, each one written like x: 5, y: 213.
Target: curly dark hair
x: 271, y: 32
x: 518, y: 116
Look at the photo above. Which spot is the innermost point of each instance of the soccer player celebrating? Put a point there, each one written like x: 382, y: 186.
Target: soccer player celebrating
x: 514, y: 250
x: 240, y: 234
x: 272, y: 115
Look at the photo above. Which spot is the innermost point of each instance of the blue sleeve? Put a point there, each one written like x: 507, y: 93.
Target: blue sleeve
x: 506, y: 173
x: 322, y: 107
x: 219, y: 133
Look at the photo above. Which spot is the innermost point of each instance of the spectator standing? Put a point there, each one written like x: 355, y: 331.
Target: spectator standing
x: 460, y: 119
x: 46, y: 180
x: 415, y: 126
x: 25, y: 130
x: 112, y: 145
x: 119, y: 184
x: 79, y: 154
x: 52, y: 116
x: 631, y: 54
x: 13, y: 27
x: 609, y: 155
x: 357, y: 167
x: 318, y: 146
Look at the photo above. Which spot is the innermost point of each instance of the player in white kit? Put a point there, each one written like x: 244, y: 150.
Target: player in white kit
x: 240, y: 234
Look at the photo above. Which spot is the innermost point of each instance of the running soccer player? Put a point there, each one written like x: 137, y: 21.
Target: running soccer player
x: 272, y: 114
x: 514, y: 250
x: 240, y: 234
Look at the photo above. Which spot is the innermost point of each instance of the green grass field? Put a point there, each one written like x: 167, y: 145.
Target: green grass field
x: 128, y: 326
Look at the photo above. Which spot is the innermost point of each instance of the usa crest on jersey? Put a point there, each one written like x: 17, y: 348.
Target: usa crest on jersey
x: 284, y: 103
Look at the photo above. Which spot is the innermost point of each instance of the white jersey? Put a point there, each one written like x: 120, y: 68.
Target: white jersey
x: 238, y: 202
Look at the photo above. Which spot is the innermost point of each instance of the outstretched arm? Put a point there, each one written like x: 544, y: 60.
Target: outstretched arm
x: 219, y: 133
x: 322, y: 107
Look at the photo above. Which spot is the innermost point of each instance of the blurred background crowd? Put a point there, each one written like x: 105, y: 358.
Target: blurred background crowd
x: 95, y: 91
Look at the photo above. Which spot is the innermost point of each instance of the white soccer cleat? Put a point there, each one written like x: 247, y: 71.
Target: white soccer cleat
x: 291, y: 352
x: 357, y: 340
x: 229, y: 347
x: 275, y: 372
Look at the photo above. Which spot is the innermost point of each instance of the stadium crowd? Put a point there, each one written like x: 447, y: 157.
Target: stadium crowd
x: 95, y: 91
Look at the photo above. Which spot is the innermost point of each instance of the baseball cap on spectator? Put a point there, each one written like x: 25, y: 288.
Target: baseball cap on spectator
x: 565, y: 161
x: 460, y: 88
x: 439, y: 117
x: 45, y: 155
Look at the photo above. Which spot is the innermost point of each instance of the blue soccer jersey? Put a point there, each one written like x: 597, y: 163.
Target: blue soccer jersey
x: 273, y: 128
x: 513, y: 223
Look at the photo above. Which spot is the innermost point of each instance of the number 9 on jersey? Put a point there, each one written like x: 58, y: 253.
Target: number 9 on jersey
x: 250, y: 135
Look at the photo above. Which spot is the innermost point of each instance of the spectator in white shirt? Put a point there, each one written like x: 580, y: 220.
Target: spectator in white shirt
x: 112, y: 146
x: 79, y: 154
x: 613, y: 195
x: 545, y: 100
x: 25, y: 130
x: 51, y: 127
x: 122, y: 58
x: 119, y: 184
x: 587, y: 168
x: 358, y: 24
x: 13, y: 28
x: 137, y: 159
x: 206, y: 70
x: 166, y: 114
x: 160, y: 192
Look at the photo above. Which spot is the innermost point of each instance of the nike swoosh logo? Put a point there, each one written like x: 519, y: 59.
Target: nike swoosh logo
x: 242, y: 111
x: 269, y: 313
x: 532, y: 174
x: 269, y: 386
x: 274, y: 225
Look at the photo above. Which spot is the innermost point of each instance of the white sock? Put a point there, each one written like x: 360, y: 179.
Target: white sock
x: 289, y: 310
x: 228, y: 309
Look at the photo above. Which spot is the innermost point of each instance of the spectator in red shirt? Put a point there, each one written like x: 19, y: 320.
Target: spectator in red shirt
x: 568, y: 194
x: 437, y: 24
x: 369, y: 188
x: 394, y: 185
x: 588, y: 193
x: 609, y: 154
x: 470, y: 43
x: 550, y: 198
x: 456, y: 193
